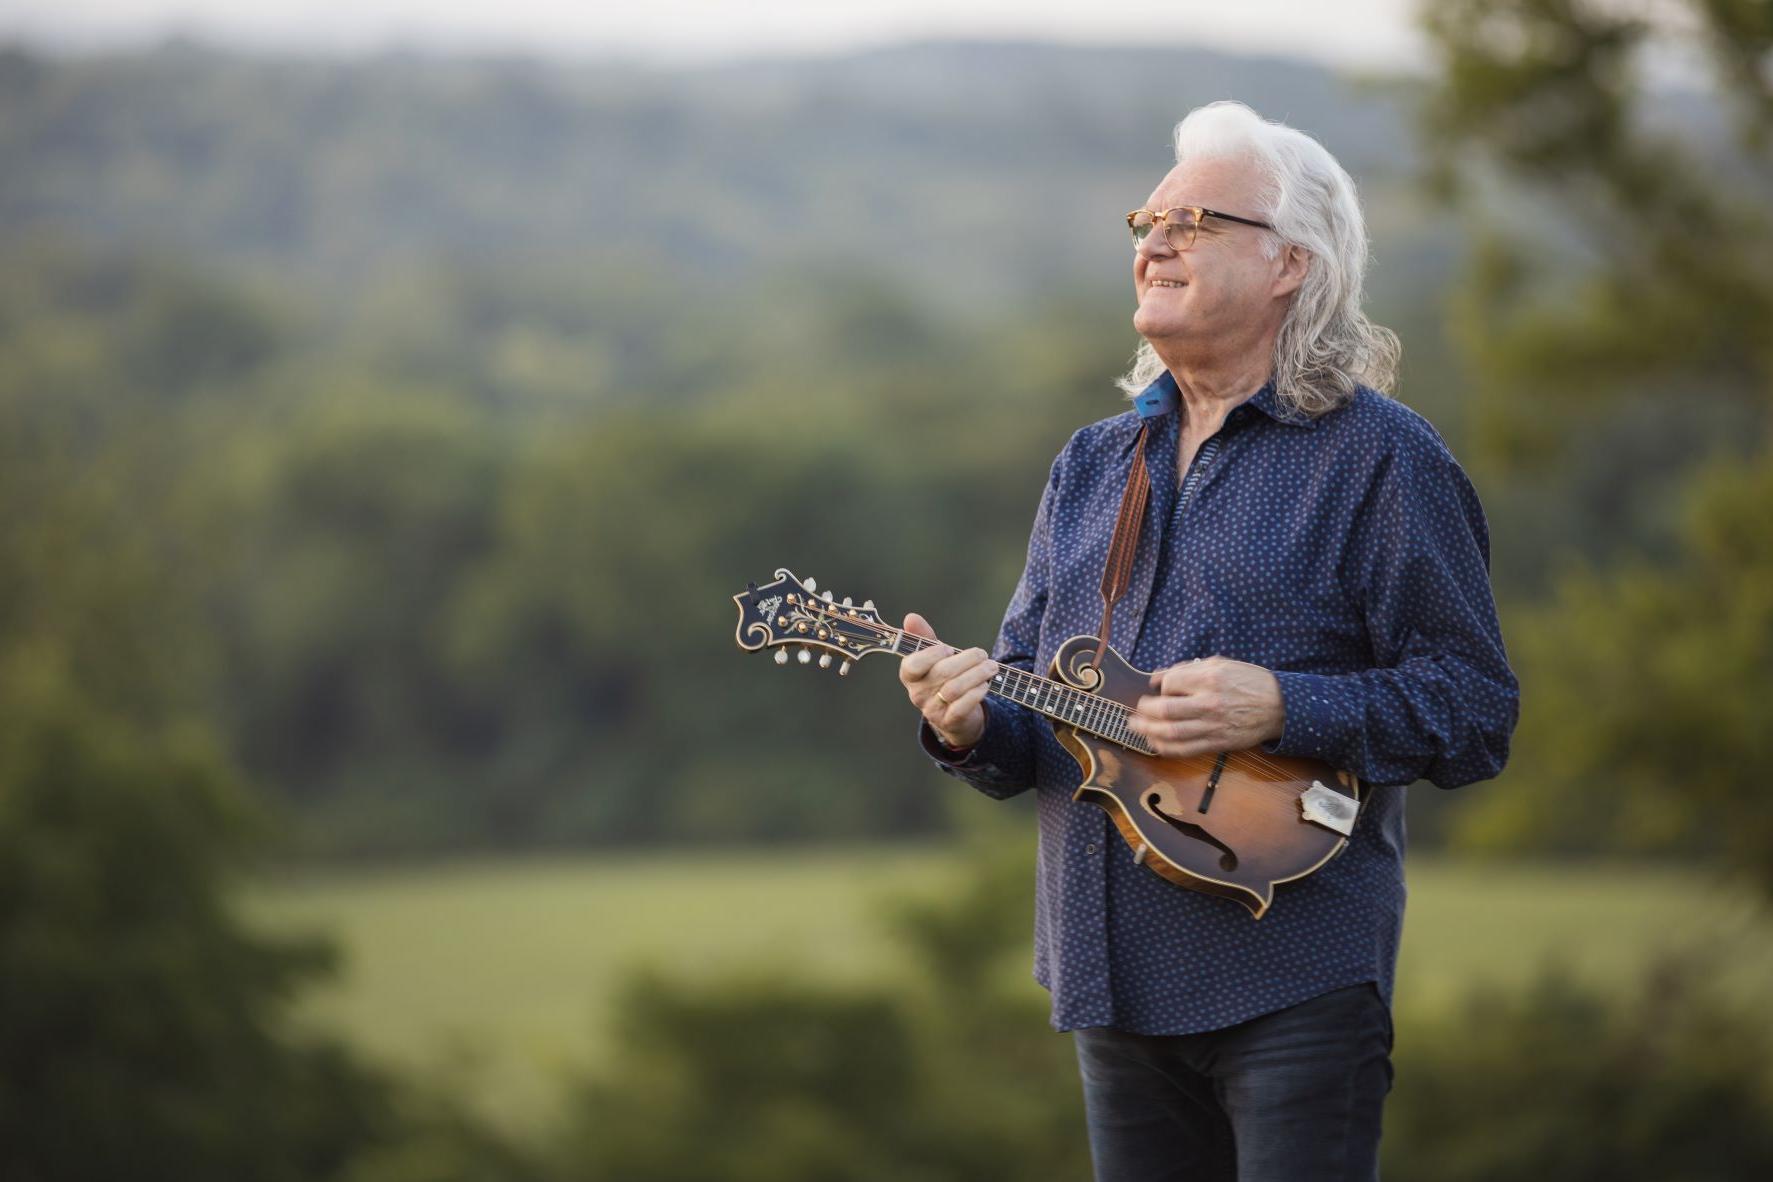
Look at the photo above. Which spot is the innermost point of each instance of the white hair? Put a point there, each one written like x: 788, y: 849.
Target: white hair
x: 1326, y: 345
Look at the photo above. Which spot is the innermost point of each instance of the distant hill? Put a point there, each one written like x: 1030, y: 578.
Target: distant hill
x: 968, y: 172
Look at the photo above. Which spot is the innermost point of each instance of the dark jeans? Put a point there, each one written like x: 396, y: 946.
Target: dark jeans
x: 1293, y: 1096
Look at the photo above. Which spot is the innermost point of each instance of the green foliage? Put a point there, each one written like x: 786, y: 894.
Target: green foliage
x: 1645, y: 676
x: 1638, y: 252
x: 1557, y: 1082
x: 343, y: 531
x: 144, y: 1030
x: 426, y: 469
x: 435, y: 957
x: 437, y: 1138
x: 946, y: 166
x: 753, y: 1081
x: 1649, y: 685
x: 428, y: 622
x: 938, y: 1073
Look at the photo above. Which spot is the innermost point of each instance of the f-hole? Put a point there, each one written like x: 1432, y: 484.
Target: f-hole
x: 1227, y: 856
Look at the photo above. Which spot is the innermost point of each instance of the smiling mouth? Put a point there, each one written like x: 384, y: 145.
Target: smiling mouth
x: 1167, y: 283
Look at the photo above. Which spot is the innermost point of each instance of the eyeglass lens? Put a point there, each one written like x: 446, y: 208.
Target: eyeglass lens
x: 1179, y: 227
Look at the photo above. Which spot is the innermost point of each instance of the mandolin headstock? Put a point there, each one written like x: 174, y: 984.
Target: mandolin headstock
x: 789, y: 613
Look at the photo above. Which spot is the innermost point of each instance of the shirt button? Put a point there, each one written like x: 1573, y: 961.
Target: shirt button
x: 1091, y: 848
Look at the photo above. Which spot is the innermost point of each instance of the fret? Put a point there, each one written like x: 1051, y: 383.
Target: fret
x: 1064, y: 703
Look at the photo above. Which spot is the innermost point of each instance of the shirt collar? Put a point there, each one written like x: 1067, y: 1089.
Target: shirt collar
x: 1265, y: 400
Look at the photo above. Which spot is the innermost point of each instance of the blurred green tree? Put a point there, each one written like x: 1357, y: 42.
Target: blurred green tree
x: 1644, y: 680
x: 145, y: 1031
x: 946, y: 1070
x: 1560, y: 1082
x: 946, y: 1073
x: 1651, y: 685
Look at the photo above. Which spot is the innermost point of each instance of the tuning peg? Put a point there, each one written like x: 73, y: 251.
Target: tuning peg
x: 810, y: 584
x: 846, y: 602
x: 806, y: 656
x: 843, y: 670
x: 826, y: 595
x: 824, y: 660
x: 867, y: 605
x: 781, y: 656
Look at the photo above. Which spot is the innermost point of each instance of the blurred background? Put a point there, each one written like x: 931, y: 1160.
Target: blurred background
x: 393, y: 396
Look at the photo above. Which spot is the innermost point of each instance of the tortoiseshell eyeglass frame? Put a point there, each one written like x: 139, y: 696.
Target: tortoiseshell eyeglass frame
x: 1186, y: 230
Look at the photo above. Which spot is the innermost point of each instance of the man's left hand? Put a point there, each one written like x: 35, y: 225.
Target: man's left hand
x: 1203, y: 707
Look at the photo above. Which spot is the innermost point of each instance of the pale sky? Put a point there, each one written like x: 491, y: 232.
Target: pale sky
x: 1359, y: 33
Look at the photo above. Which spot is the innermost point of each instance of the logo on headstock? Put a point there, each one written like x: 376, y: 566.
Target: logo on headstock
x: 767, y: 607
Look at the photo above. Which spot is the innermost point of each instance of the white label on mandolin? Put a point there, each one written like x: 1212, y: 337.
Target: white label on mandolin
x: 1329, y: 808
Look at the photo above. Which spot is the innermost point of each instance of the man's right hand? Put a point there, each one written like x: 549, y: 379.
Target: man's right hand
x: 947, y: 687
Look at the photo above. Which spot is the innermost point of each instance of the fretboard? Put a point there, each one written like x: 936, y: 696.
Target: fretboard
x: 1063, y: 703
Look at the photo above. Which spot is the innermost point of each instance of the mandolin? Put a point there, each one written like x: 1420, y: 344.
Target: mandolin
x: 1235, y: 824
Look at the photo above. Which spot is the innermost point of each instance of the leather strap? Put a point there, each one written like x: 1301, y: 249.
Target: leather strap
x: 1118, y: 571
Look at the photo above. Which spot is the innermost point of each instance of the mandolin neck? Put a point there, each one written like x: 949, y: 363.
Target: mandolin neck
x: 1060, y: 702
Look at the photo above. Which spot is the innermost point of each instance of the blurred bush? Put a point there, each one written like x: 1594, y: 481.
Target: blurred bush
x: 945, y: 1072
x: 145, y: 1032
x: 948, y: 1071
x: 427, y: 621
x: 1659, y: 1081
x: 1644, y: 298
x: 1651, y: 683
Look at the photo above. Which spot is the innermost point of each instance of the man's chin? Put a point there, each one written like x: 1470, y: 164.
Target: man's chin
x: 1156, y: 328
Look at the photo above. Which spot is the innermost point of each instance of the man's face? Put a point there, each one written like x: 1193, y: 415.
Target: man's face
x: 1222, y: 289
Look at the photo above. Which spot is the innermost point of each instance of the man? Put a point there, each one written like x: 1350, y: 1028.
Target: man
x: 1311, y: 578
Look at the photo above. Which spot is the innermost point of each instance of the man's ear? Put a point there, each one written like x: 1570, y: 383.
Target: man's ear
x: 1295, y: 264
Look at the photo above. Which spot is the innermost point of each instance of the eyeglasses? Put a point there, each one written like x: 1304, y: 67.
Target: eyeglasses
x: 1181, y: 223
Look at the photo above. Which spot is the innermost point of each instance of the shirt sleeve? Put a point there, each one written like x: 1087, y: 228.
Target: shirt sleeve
x: 1002, y: 763
x: 1441, y: 702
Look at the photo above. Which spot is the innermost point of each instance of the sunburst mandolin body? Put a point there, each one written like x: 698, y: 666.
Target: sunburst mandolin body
x: 1233, y: 825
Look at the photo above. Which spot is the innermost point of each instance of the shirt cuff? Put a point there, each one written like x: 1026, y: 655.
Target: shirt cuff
x: 947, y: 756
x: 1319, y: 718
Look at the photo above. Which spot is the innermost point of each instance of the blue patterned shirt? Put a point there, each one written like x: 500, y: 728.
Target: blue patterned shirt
x: 1348, y: 554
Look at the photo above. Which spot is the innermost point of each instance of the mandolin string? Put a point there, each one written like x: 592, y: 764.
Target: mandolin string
x: 1120, y: 711
x: 1114, y: 710
x: 1117, y: 712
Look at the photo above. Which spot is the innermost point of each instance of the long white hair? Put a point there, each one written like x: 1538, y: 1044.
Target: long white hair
x: 1326, y: 345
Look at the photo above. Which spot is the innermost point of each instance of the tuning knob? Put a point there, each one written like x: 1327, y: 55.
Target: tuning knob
x: 810, y: 584
x: 806, y: 656
x: 826, y: 595
x: 867, y: 605
x: 846, y: 601
x: 824, y: 660
x: 843, y: 670
x: 781, y: 656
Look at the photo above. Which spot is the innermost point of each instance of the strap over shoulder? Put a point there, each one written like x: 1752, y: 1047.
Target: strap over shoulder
x: 1117, y: 573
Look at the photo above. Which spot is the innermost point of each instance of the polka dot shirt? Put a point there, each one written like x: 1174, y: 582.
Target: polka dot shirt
x: 1349, y: 554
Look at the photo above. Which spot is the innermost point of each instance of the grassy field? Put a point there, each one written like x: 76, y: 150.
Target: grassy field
x: 504, y: 970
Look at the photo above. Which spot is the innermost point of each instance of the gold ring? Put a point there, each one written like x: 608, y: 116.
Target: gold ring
x: 945, y: 701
